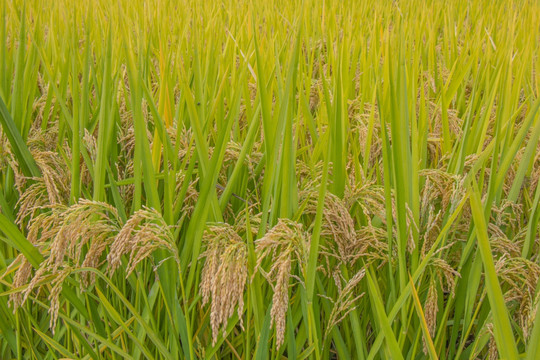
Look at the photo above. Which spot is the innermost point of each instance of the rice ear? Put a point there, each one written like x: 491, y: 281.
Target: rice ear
x: 145, y: 232
x: 22, y: 275
x: 345, y: 302
x: 286, y: 245
x: 431, y: 309
x: 224, y: 275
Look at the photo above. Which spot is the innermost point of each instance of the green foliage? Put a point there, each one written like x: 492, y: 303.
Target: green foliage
x: 269, y: 179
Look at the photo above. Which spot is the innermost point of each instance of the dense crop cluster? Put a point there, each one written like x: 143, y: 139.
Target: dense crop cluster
x: 269, y: 179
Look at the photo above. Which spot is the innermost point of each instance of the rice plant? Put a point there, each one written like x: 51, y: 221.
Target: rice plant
x: 269, y: 179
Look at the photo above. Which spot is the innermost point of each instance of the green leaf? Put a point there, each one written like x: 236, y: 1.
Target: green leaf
x: 502, y: 327
x: 18, y: 146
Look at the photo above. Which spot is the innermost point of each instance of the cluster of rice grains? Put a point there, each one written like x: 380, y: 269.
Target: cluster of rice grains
x: 63, y: 233
x: 254, y: 179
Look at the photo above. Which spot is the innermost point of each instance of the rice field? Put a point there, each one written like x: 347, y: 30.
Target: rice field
x: 269, y: 179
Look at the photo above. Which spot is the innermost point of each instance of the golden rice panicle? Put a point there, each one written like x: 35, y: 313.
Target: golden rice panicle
x: 338, y: 224
x: 191, y: 194
x: 83, y: 223
x: 5, y: 151
x: 55, y: 175
x: 445, y: 273
x: 241, y: 225
x: 371, y: 244
x: 52, y: 188
x: 431, y: 309
x: 280, y: 299
x: 431, y: 227
x: 54, y: 296
x: 63, y: 233
x: 32, y: 199
x: 33, y: 284
x: 531, y: 316
x: 123, y: 243
x: 441, y: 188
x: 493, y: 353
x: 42, y: 231
x: 145, y: 232
x: 224, y: 275
x: 521, y: 276
x: 369, y: 197
x: 46, y: 225
x: 346, y: 300
x: 286, y: 244
x: 21, y: 277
